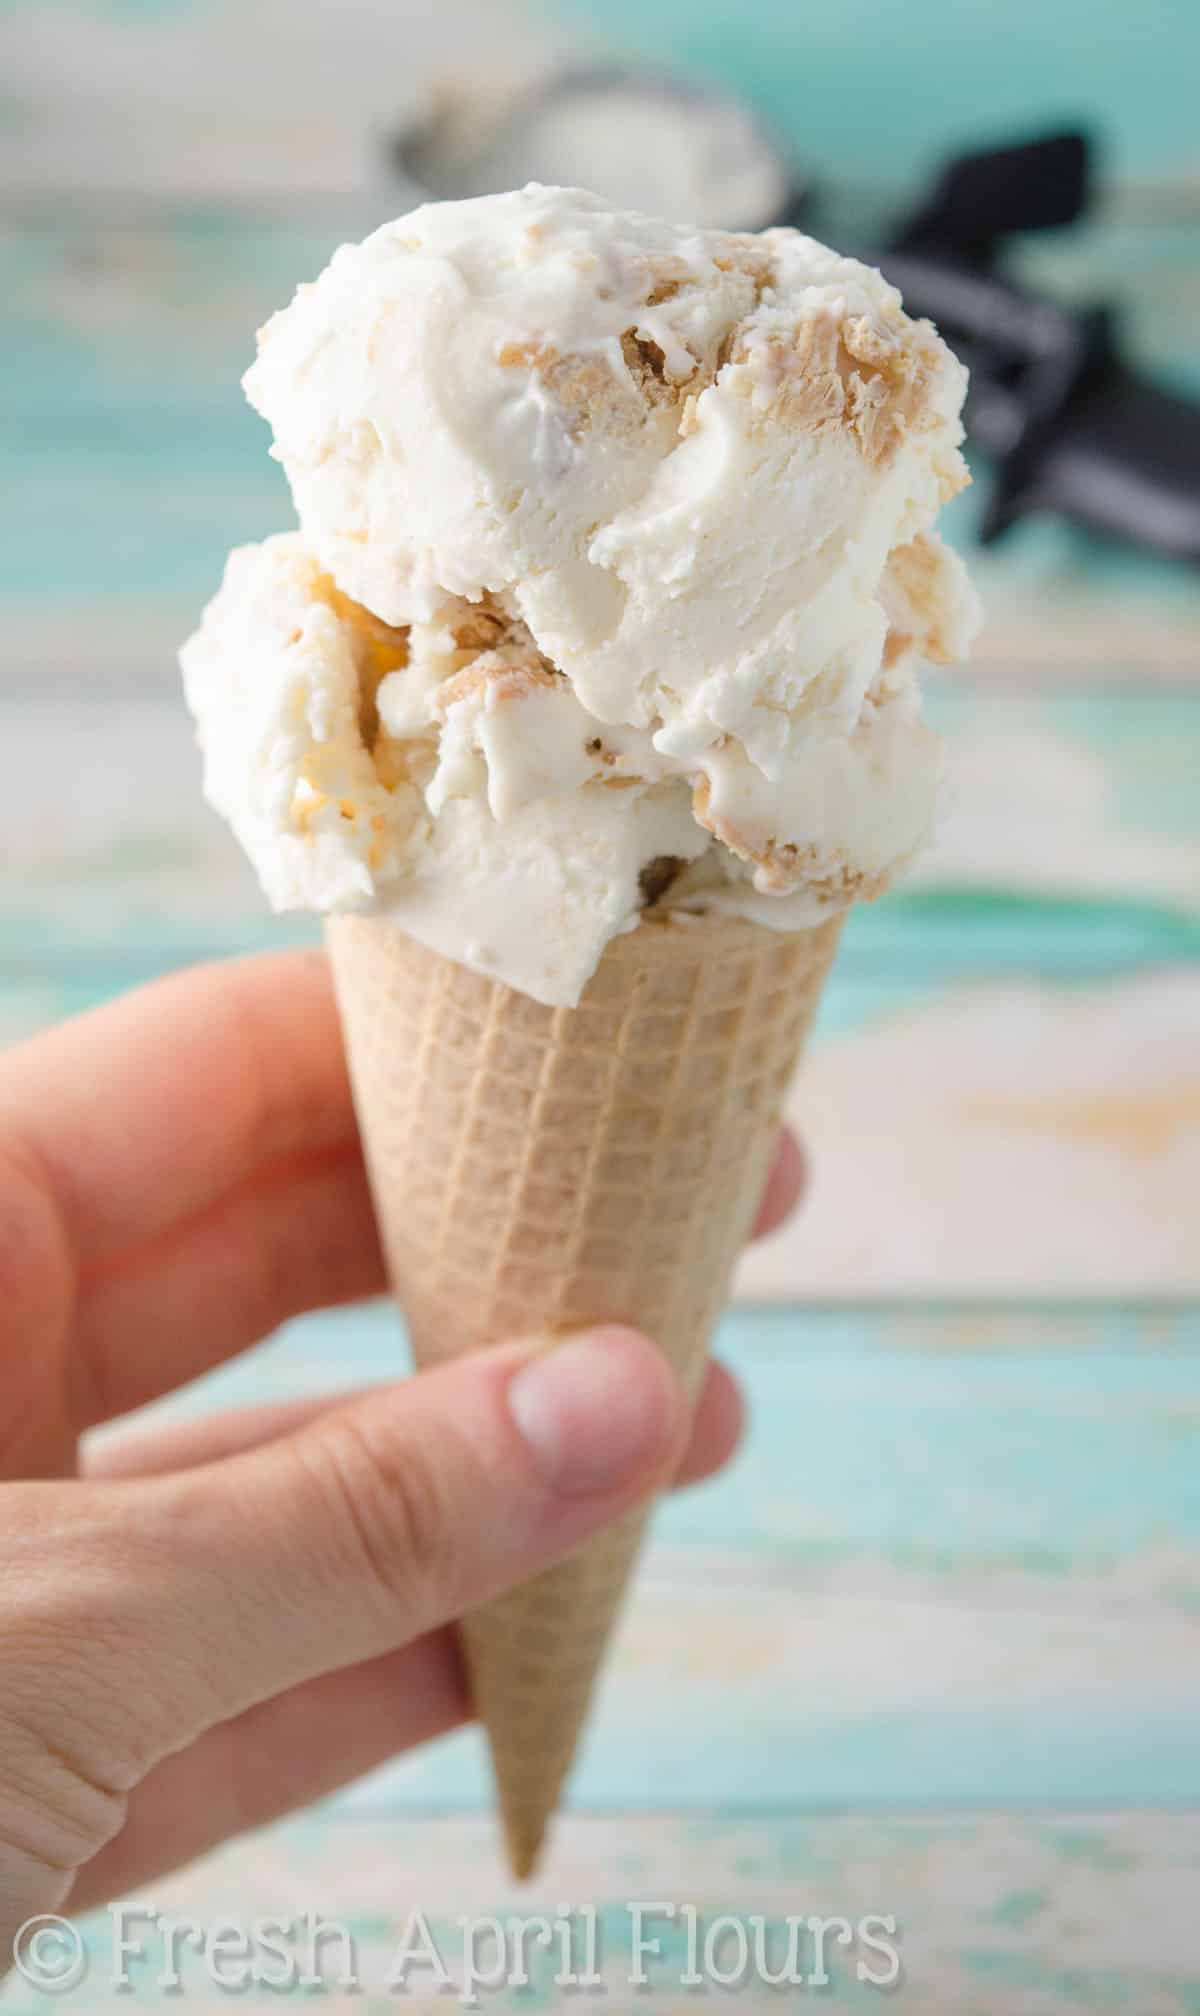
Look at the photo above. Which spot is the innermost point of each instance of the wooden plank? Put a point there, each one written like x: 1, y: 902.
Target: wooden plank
x: 958, y: 1563
x: 231, y: 96
x: 135, y: 463
x: 1003, y: 1139
x: 1079, y: 794
x: 190, y: 96
x: 1069, y: 842
x: 1005, y: 1094
x: 883, y: 93
x: 1071, y: 1915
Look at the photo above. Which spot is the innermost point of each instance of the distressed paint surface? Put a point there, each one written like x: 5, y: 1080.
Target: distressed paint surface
x: 1058, y: 1915
x: 886, y: 92
x: 131, y: 331
x: 1005, y: 1092
x: 957, y: 1570
x: 966, y: 1540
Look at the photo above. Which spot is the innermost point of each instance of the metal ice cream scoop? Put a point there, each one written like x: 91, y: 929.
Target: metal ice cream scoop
x: 1069, y: 427
x: 641, y: 139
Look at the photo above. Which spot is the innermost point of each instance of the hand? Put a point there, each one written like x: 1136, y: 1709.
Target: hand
x: 205, y: 1626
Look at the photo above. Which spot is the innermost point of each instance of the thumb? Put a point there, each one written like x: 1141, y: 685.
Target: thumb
x: 180, y: 1601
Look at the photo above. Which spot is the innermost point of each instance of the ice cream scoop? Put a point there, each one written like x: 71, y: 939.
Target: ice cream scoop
x: 614, y: 573
x: 595, y: 125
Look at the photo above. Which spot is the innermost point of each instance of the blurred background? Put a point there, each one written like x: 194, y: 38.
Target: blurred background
x: 955, y: 1668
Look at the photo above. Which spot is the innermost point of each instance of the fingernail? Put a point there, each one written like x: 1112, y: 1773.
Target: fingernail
x: 595, y: 1409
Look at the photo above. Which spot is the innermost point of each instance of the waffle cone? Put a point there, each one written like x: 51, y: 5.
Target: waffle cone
x: 538, y: 1169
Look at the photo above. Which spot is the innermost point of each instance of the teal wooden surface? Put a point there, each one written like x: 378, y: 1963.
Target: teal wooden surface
x: 1074, y: 1914
x: 1069, y: 841
x: 958, y: 1564
x: 1007, y: 1062
x: 933, y: 1645
x: 138, y: 463
x: 885, y: 91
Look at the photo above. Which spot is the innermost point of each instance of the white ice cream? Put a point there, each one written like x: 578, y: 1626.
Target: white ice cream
x: 641, y: 517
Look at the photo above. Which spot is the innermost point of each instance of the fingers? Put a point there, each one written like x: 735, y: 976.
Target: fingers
x: 717, y: 1425
x: 151, y: 1144
x: 304, y: 1744
x: 236, y: 1065
x: 207, y: 1438
x: 149, y: 1611
x: 302, y: 1236
x: 277, y: 1757
x: 176, y: 1260
x: 785, y: 1186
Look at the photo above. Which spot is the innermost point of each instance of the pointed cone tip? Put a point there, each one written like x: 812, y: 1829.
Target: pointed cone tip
x: 524, y: 1840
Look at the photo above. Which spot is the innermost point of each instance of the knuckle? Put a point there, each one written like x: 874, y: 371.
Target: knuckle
x: 391, y: 1510
x: 58, y: 1805
x: 37, y: 1272
x: 81, y: 1673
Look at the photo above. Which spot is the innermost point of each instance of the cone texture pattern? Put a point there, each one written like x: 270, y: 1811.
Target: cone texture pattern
x: 539, y: 1169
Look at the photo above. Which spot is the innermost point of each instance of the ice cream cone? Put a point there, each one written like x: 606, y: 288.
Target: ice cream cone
x: 536, y: 1169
